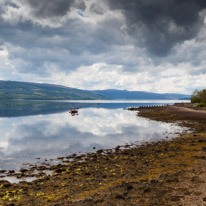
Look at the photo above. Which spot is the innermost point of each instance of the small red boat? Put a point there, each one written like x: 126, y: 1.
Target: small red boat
x: 74, y: 111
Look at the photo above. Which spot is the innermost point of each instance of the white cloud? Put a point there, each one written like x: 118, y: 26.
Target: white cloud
x: 6, y: 68
x: 165, y: 78
x: 142, y: 74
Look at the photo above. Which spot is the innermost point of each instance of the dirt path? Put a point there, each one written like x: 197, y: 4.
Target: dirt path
x: 189, y: 110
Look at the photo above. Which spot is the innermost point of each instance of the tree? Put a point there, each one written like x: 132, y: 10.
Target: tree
x: 203, y: 96
x: 199, y: 96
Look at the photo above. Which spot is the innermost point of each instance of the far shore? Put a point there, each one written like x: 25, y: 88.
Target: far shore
x: 160, y: 173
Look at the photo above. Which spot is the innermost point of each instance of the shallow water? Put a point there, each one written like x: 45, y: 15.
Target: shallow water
x: 17, y: 180
x: 33, y: 132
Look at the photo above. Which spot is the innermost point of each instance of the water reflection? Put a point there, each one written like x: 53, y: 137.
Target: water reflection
x: 23, y: 139
x: 17, y: 180
x: 27, y: 108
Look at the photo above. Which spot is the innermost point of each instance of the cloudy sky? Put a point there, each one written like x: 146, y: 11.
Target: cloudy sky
x: 148, y: 45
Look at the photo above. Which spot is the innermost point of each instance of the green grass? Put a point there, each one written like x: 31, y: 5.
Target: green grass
x: 201, y: 105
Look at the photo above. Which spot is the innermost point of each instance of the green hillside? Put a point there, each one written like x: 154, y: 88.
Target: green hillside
x: 35, y: 91
x: 138, y: 95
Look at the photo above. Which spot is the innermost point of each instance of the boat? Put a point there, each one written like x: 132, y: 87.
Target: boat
x: 74, y: 111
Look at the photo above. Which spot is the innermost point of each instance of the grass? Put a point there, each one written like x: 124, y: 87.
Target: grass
x: 201, y: 105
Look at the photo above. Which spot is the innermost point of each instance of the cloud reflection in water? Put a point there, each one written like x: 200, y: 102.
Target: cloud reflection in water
x: 47, y: 136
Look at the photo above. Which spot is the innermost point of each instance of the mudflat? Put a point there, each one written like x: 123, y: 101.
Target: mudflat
x: 160, y: 173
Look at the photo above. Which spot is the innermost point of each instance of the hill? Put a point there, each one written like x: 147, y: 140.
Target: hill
x: 35, y: 91
x: 138, y: 95
x: 38, y: 91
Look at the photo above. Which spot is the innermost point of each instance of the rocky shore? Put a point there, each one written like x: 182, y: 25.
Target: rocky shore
x: 161, y: 173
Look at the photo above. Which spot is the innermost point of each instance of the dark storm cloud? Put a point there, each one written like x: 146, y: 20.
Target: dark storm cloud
x: 64, y: 46
x: 161, y: 24
x: 52, y: 8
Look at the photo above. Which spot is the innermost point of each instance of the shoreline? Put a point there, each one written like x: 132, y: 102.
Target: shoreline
x: 159, y: 173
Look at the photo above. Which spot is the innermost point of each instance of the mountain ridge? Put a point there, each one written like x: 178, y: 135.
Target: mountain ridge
x: 43, y: 91
x: 137, y: 95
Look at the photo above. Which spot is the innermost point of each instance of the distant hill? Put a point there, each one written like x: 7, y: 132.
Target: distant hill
x: 137, y: 95
x: 35, y: 91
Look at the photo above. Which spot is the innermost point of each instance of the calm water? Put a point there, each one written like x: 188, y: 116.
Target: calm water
x: 31, y: 130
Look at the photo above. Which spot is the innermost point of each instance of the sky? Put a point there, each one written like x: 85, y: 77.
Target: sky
x: 142, y: 45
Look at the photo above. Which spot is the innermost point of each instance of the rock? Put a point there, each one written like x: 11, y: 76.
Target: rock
x: 100, y: 151
x: 5, y: 183
x: 117, y: 148
x: 175, y: 198
x: 204, y: 149
x: 147, y: 190
x: 59, y: 170
x: 23, y: 170
x: 119, y: 196
x: 129, y: 187
x: 153, y: 182
x: 60, y: 158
